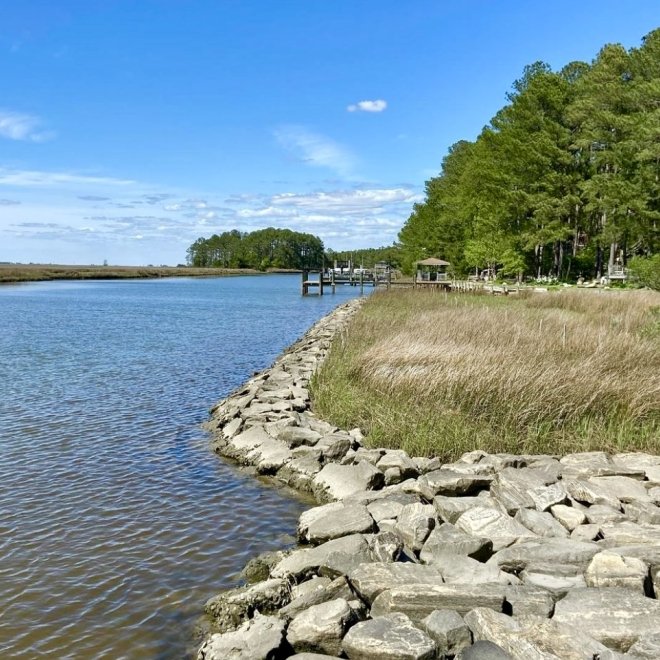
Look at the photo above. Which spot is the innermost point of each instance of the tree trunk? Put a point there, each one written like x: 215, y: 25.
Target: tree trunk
x: 599, y: 262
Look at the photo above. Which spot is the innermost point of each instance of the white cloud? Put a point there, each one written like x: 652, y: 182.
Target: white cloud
x: 379, y: 105
x: 348, y: 200
x: 316, y: 149
x: 19, y: 126
x: 38, y: 178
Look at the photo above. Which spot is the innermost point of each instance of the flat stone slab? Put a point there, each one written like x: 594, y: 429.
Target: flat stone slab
x: 448, y: 630
x: 321, y: 627
x: 615, y: 617
x: 334, y: 520
x: 390, y: 637
x: 336, y: 482
x: 609, y: 569
x: 450, y: 539
x: 534, y: 638
x: 369, y: 580
x: 419, y: 600
x: 547, y: 551
x: 500, y: 528
x: 414, y: 524
x: 451, y: 482
x: 336, y: 557
x: 257, y: 639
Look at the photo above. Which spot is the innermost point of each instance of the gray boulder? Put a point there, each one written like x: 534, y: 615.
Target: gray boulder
x: 568, y: 516
x: 448, y: 630
x: 614, y: 616
x: 338, y: 588
x: 547, y: 552
x: 369, y: 580
x: 449, y: 539
x: 335, y: 482
x: 334, y: 520
x: 450, y: 482
x: 336, y: 557
x: 391, y: 637
x: 414, y: 524
x: 295, y: 436
x: 321, y: 627
x: 450, y: 509
x: 419, y: 600
x: 235, y: 606
x: 385, y: 547
x: 609, y: 569
x: 261, y: 638
x: 500, y: 528
x: 542, y: 524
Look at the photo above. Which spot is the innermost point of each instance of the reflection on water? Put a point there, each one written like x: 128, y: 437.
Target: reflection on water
x: 116, y: 521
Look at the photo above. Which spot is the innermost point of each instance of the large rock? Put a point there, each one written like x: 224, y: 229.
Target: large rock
x: 568, y: 516
x: 615, y: 617
x: 336, y: 557
x: 269, y: 456
x: 500, y: 528
x: 623, y: 488
x: 547, y: 552
x: 534, y: 638
x: 451, y: 482
x: 546, y: 496
x: 389, y: 508
x: 414, y: 524
x: 608, y: 569
x: 542, y: 524
x: 460, y: 569
x: 511, y: 487
x: 399, y: 460
x: 321, y: 628
x: 334, y: 520
x: 391, y: 637
x: 587, y: 464
x: 555, y: 578
x: 448, y: 630
x: 261, y: 638
x: 627, y: 533
x: 450, y: 509
x: 449, y: 539
x: 295, y: 436
x: 369, y: 580
x: 335, y: 482
x: 235, y: 606
x: 239, y: 446
x: 315, y: 595
x: 419, y: 600
x: 588, y: 492
x: 385, y: 547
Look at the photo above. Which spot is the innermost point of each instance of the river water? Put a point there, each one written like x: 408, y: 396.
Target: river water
x: 117, y: 522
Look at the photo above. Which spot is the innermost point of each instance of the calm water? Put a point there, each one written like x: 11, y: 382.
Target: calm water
x: 116, y: 520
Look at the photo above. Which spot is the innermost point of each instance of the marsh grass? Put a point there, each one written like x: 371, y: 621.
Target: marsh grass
x: 440, y: 374
x: 10, y: 273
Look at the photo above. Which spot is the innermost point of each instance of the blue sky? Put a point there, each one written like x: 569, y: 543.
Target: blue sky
x: 130, y: 128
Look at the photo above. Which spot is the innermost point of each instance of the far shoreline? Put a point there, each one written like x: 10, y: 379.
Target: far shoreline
x: 17, y: 273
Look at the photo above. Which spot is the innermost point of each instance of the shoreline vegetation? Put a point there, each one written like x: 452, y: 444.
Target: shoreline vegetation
x: 440, y: 375
x: 15, y: 273
x: 494, y: 554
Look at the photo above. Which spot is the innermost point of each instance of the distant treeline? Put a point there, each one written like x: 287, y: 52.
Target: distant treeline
x: 261, y: 249
x: 564, y: 179
x: 367, y: 257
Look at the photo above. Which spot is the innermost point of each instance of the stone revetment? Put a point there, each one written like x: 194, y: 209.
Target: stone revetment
x: 494, y: 556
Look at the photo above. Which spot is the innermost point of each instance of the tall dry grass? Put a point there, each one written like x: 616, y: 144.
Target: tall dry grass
x: 443, y: 374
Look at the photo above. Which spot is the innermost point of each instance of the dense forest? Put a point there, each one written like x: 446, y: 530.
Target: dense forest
x: 563, y: 180
x: 261, y: 249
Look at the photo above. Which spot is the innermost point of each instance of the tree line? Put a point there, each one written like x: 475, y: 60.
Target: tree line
x: 563, y: 181
x: 261, y: 249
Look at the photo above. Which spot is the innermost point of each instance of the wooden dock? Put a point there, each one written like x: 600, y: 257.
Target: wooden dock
x: 321, y: 280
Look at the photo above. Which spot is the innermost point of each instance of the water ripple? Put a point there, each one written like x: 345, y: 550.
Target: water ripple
x: 116, y: 522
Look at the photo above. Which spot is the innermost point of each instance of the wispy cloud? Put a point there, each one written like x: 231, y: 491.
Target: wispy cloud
x: 8, y: 202
x: 316, y: 149
x: 379, y: 105
x: 39, y: 178
x: 20, y: 126
x: 93, y: 198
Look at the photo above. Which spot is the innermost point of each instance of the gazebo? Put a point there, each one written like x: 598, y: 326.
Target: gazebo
x: 430, y: 271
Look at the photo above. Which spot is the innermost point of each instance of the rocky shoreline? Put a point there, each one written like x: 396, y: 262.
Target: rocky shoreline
x: 491, y: 557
